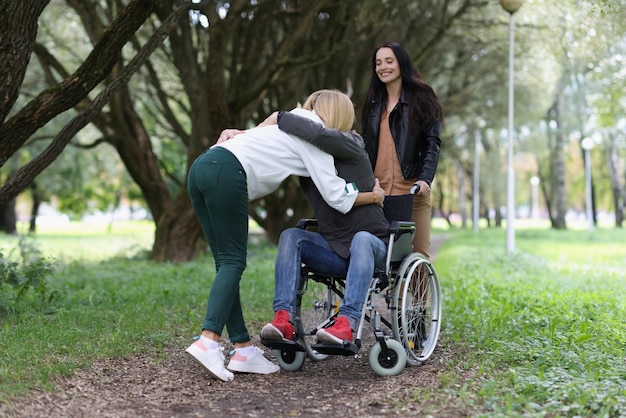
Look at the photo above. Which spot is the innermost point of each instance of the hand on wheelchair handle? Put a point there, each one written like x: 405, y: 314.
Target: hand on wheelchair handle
x: 420, y: 187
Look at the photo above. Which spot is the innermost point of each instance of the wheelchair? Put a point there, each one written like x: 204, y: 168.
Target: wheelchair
x: 403, y: 306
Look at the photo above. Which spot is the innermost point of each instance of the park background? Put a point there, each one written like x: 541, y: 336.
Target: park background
x: 107, y: 103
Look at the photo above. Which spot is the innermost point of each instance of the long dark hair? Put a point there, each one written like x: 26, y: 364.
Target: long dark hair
x: 424, y: 106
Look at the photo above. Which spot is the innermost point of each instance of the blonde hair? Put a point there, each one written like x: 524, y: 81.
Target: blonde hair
x: 334, y: 108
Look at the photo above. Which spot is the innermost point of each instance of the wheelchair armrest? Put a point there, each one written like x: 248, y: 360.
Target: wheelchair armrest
x: 307, y: 224
x: 401, y: 227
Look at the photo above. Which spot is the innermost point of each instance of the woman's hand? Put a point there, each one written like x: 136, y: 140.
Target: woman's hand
x: 228, y: 134
x: 422, y: 187
x: 379, y: 194
x: 270, y: 120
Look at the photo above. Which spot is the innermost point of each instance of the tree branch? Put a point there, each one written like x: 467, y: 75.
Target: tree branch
x: 53, y: 101
x: 26, y: 174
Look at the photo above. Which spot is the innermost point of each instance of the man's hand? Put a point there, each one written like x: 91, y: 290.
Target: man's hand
x: 228, y: 134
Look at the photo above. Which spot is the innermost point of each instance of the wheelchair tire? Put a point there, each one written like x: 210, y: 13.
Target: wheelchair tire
x: 290, y: 361
x: 417, y: 297
x: 389, y: 365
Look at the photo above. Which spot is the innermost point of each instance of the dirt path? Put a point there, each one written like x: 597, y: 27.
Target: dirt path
x: 173, y: 386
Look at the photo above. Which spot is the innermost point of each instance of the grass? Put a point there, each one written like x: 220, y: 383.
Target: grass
x: 540, y: 332
x: 108, y: 300
x: 79, y: 241
x: 544, y: 329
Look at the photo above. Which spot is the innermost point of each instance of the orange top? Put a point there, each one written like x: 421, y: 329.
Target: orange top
x: 387, y: 170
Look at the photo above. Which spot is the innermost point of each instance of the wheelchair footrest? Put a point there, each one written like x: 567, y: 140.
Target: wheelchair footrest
x: 348, y: 348
x: 282, y: 345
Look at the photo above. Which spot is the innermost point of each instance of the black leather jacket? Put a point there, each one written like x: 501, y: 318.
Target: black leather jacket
x: 418, y: 152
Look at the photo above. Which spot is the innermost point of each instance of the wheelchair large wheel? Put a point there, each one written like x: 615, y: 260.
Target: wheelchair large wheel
x: 417, y: 297
x: 392, y: 363
x: 320, y: 302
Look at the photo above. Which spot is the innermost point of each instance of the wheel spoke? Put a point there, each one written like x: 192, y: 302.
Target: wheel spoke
x: 320, y: 301
x: 418, y: 300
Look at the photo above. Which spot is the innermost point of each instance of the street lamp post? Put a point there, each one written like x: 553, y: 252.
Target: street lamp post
x: 476, y: 200
x: 587, y: 144
x: 534, y: 183
x: 510, y: 6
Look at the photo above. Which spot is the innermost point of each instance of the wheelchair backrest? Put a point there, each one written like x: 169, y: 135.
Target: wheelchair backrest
x: 400, y: 240
x: 398, y: 208
x: 398, y: 211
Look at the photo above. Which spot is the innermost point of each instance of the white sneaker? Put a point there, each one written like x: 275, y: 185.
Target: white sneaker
x: 255, y: 363
x: 210, y: 359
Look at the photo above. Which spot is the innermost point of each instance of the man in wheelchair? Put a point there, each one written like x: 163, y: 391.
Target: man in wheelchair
x: 348, y: 245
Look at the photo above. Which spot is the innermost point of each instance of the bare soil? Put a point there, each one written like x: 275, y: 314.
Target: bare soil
x: 175, y: 386
x: 172, y: 385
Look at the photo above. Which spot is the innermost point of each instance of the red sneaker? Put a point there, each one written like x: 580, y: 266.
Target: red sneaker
x: 280, y: 328
x: 336, y: 333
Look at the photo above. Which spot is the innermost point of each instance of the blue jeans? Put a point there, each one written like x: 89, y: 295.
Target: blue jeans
x: 297, y: 246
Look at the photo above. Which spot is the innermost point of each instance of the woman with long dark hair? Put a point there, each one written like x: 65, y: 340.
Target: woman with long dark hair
x: 401, y: 121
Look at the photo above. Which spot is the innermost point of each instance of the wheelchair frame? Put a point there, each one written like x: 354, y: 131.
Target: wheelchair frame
x: 407, y: 291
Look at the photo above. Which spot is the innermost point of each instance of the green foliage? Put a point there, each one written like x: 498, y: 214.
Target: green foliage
x: 29, y: 273
x: 563, y: 48
x: 543, y: 328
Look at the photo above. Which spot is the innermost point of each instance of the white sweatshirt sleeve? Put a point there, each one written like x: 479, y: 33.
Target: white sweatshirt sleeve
x: 321, y: 167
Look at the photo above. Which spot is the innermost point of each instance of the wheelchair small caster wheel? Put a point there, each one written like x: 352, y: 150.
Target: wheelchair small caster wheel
x: 290, y: 361
x: 389, y: 365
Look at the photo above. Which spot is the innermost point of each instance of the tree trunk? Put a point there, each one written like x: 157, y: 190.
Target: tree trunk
x: 623, y: 199
x: 440, y: 201
x: 462, y: 194
x: 32, y: 228
x: 8, y: 218
x: 177, y: 231
x: 558, y: 158
x: 484, y: 211
x: 547, y: 199
x: 498, y: 213
x: 178, y: 236
x: 545, y: 173
x: 617, y: 189
x: 18, y: 30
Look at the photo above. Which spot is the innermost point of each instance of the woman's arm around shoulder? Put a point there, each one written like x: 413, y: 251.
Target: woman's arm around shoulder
x: 341, y: 144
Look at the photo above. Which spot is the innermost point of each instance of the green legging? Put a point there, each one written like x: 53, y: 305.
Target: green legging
x: 218, y: 192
